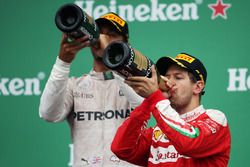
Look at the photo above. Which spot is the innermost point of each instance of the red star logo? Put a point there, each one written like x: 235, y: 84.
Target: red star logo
x: 219, y: 9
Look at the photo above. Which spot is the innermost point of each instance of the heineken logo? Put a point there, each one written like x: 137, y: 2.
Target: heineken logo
x: 156, y: 10
x: 18, y: 86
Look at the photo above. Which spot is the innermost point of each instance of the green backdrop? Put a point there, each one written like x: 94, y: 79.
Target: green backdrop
x: 29, y: 44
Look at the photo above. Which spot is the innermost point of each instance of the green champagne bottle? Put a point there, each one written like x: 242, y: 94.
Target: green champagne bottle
x: 121, y: 57
x: 76, y: 23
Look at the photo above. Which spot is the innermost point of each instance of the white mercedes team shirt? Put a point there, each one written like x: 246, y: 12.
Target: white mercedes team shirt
x: 94, y: 105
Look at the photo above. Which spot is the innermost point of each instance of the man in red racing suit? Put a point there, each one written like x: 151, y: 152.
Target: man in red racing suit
x: 185, y: 135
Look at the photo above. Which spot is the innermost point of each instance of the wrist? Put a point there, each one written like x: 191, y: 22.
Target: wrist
x: 62, y: 66
x: 66, y: 59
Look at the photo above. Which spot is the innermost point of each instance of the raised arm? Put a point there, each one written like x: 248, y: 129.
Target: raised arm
x: 57, y: 100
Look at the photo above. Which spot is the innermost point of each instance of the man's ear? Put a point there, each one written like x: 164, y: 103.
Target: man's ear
x: 198, y: 87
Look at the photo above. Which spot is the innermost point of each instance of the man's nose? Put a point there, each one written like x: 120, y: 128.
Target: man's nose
x: 172, y: 81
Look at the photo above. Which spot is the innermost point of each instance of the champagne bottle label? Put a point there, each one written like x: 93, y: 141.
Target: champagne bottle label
x: 141, y: 61
x: 90, y: 27
x: 120, y: 56
x: 138, y: 64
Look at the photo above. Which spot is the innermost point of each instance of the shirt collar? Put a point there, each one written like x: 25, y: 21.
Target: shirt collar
x: 107, y: 75
x: 189, y: 116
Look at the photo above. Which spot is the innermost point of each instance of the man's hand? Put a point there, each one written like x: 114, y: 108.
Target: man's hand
x: 142, y: 85
x: 68, y: 50
x: 166, y: 86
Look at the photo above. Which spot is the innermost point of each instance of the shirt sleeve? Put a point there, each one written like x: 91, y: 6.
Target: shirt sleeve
x: 208, y: 135
x: 132, y: 140
x: 57, y: 100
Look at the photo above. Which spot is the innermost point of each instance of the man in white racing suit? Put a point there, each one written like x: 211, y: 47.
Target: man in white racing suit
x: 94, y: 104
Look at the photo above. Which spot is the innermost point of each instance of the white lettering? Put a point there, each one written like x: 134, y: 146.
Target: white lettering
x: 32, y: 83
x: 174, y: 12
x: 3, y: 88
x: 190, y: 9
x: 18, y: 86
x: 238, y: 80
x: 142, y: 13
x: 112, y: 7
x: 154, y: 11
x: 126, y: 12
x: 157, y: 11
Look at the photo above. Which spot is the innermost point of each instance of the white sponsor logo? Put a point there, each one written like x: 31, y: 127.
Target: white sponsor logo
x: 239, y: 80
x: 163, y: 155
x: 153, y: 11
x: 21, y: 86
